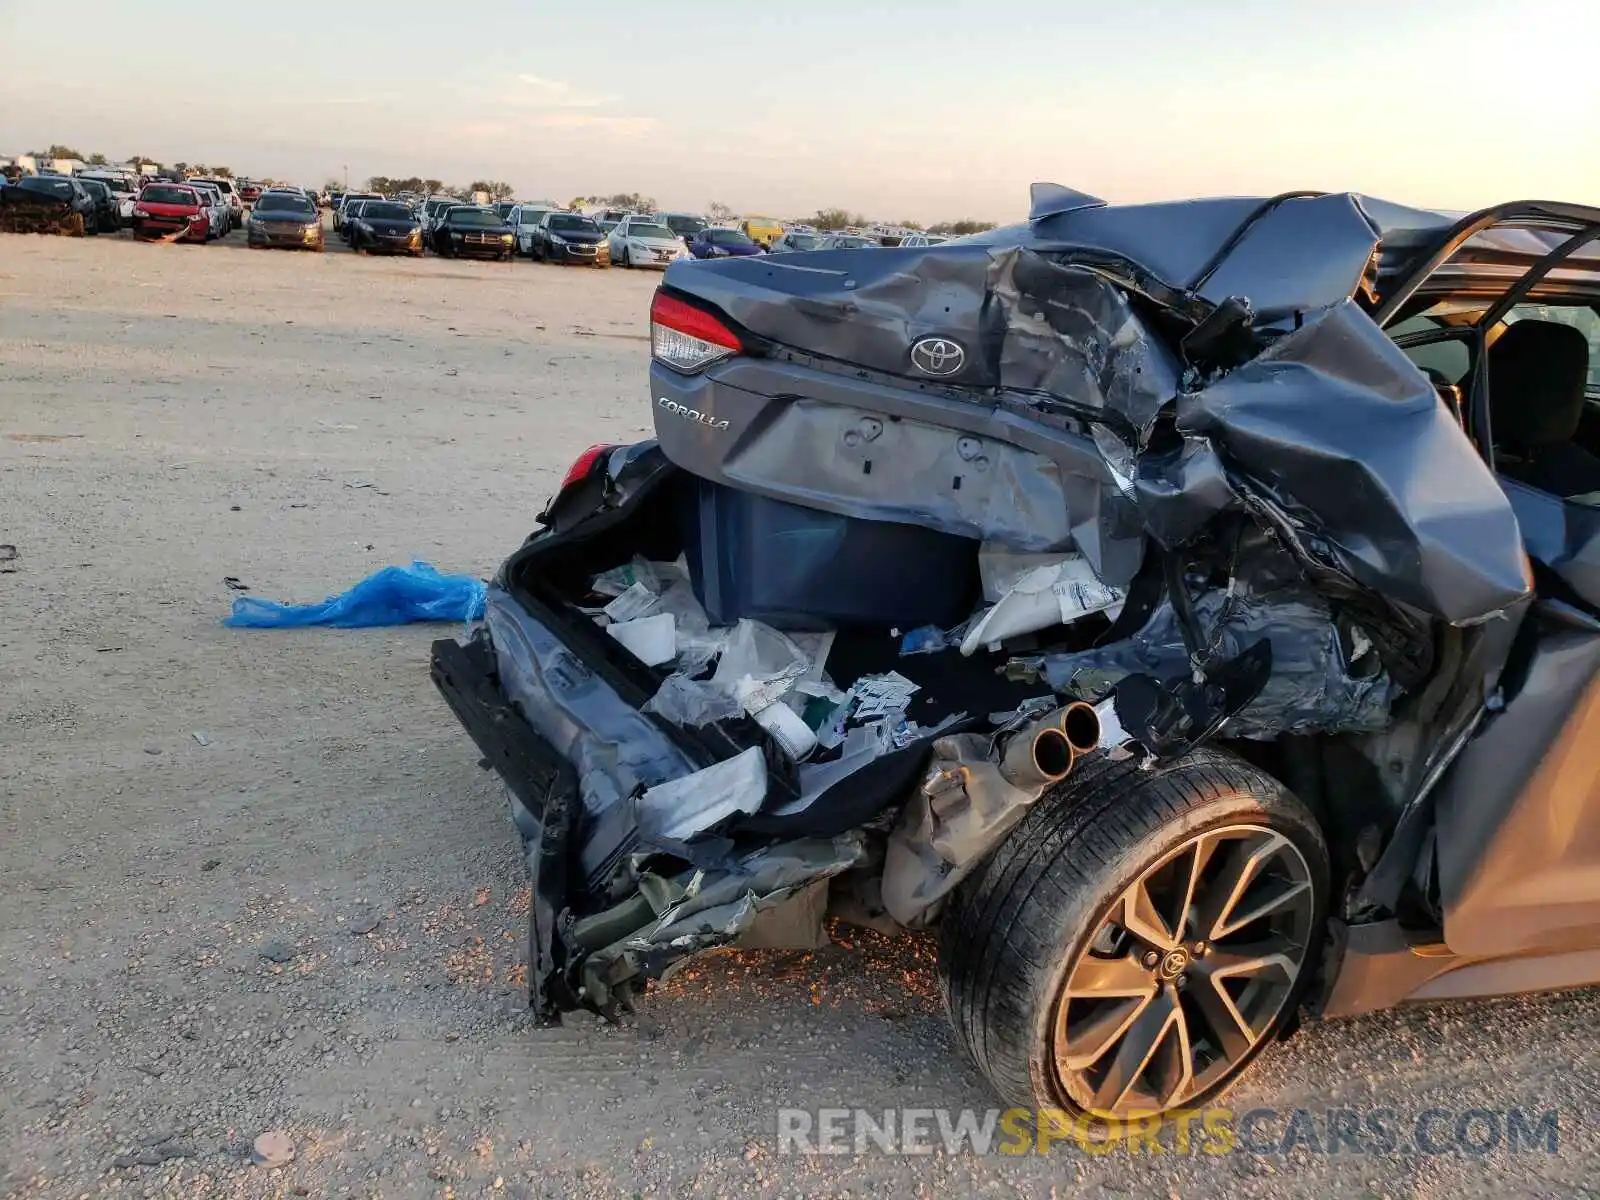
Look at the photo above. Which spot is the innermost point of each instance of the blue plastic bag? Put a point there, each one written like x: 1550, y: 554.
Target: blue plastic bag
x: 392, y: 596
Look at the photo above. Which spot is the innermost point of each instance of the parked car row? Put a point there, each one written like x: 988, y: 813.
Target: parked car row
x: 368, y: 222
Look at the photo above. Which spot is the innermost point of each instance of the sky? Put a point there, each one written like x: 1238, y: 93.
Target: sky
x: 933, y: 111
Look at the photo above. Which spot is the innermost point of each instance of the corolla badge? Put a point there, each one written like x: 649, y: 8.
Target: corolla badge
x: 937, y: 356
x: 691, y: 414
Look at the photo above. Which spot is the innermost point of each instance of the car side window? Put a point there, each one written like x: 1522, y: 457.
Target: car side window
x: 1446, y: 360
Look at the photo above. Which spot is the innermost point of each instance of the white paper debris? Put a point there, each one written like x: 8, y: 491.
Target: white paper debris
x: 1080, y: 597
x: 790, y: 732
x: 619, y: 579
x: 1001, y: 569
x: 650, y: 639
x: 1056, y: 593
x: 882, y: 695
x: 683, y: 807
x: 637, y: 601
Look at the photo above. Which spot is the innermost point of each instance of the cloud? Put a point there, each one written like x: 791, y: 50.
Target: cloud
x: 484, y: 131
x: 622, y: 127
x: 533, y: 91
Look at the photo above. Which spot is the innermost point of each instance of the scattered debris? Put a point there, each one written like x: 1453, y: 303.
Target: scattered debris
x: 277, y: 951
x: 364, y: 921
x: 1058, y: 591
x: 272, y: 1149
x: 202, y: 737
x: 391, y: 596
x: 929, y: 639
x: 211, y: 864
x: 359, y: 483
x: 234, y: 583
x: 650, y: 639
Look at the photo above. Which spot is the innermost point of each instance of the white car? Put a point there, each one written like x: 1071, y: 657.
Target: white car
x: 123, y: 186
x: 923, y: 239
x: 349, y: 198
x: 431, y: 208
x: 523, y: 219
x: 221, y: 218
x: 231, y: 197
x: 644, y: 242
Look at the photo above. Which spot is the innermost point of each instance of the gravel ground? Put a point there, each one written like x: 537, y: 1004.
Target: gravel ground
x: 307, y: 920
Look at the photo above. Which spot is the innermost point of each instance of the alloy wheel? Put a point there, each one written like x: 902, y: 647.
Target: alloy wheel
x: 1186, y: 973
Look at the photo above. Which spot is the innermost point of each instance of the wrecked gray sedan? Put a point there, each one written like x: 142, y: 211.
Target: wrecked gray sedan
x: 1189, y: 608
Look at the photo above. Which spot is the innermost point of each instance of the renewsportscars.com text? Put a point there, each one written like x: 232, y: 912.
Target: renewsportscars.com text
x: 1214, y: 1131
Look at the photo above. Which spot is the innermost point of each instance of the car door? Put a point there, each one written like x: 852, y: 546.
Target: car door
x: 1517, y: 815
x: 617, y: 240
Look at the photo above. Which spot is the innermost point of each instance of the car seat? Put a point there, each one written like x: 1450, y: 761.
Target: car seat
x: 1538, y: 371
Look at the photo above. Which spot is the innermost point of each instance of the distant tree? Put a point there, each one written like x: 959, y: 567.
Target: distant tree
x: 96, y: 159
x: 180, y: 168
x: 222, y: 172
x: 59, y: 151
x: 718, y: 211
x: 331, y: 185
x: 836, y: 218
x: 498, y: 189
x: 200, y: 169
x: 962, y: 227
x: 909, y: 225
x: 632, y: 201
x: 432, y: 187
x: 136, y: 159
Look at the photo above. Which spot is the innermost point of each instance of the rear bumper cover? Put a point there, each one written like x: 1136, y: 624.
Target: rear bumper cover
x: 545, y: 788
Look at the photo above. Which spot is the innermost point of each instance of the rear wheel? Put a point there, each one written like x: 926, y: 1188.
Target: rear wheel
x: 1139, y: 938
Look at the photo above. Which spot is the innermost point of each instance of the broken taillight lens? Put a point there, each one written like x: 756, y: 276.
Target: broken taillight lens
x: 581, y: 467
x: 686, y: 338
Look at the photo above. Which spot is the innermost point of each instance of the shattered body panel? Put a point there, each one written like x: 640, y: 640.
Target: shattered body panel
x: 25, y: 211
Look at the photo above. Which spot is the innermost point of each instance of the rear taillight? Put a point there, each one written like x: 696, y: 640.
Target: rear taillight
x: 584, y: 463
x: 687, y: 339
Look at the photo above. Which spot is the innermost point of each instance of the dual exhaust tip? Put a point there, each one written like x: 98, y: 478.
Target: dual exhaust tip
x: 1044, y: 751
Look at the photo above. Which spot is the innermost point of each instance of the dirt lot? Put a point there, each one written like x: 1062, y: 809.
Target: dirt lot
x: 181, y: 925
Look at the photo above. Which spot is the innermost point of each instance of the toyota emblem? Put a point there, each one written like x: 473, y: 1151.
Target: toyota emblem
x: 937, y: 356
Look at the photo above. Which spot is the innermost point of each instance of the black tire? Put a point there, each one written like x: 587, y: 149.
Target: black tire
x: 1016, y: 926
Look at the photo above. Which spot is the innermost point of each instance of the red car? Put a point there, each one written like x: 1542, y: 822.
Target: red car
x: 250, y: 193
x: 172, y: 211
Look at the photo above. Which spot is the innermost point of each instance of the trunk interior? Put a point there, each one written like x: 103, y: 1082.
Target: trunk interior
x: 554, y: 578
